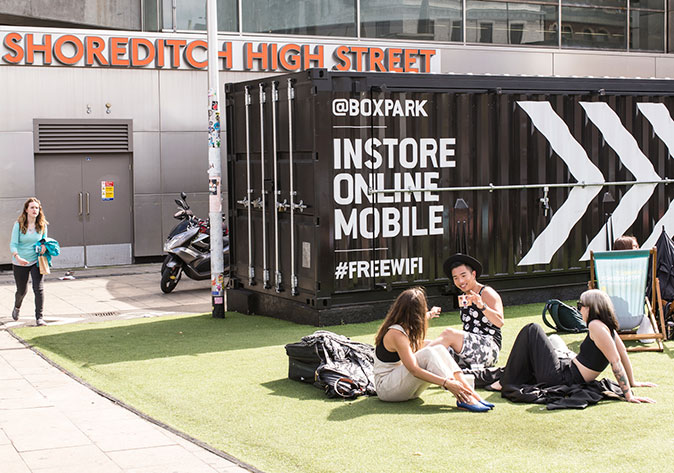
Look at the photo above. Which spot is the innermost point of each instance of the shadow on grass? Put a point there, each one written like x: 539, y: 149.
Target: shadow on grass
x: 368, y: 406
x: 144, y: 339
x: 362, y: 406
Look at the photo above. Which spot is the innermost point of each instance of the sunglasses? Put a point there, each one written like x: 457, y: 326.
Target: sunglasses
x: 580, y: 305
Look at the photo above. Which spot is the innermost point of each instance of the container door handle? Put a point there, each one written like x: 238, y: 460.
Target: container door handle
x: 87, y: 203
x: 79, y: 207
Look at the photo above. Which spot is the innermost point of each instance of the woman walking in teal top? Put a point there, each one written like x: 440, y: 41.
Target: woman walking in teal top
x: 29, y: 229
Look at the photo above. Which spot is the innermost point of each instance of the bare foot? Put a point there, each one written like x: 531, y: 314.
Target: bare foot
x: 496, y: 386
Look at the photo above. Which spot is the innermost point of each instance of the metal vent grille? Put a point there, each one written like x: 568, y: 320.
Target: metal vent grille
x: 82, y: 136
x: 105, y: 314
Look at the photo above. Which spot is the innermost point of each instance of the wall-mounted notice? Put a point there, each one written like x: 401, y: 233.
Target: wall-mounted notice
x: 107, y: 190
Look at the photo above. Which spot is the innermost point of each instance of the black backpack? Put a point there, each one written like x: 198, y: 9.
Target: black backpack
x: 564, y: 317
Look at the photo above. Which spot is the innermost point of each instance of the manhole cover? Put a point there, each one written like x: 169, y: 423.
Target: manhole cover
x: 105, y: 314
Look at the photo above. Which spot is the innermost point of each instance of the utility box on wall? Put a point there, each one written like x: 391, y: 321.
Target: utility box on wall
x: 346, y: 188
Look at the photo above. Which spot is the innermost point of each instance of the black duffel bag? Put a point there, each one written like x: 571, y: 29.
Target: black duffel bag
x: 303, y: 360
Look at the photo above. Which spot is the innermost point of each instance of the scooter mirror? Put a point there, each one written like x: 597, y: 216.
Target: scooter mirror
x: 183, y: 195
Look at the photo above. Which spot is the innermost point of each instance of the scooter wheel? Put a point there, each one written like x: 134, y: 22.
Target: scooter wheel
x: 169, y: 279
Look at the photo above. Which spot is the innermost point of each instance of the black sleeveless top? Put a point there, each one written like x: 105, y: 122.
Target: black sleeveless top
x: 474, y: 321
x: 591, y: 356
x: 384, y: 355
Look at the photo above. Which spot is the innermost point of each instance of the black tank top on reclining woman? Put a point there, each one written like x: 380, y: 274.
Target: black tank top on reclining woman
x: 591, y: 356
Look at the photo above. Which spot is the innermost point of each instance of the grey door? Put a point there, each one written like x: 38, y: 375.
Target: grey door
x: 87, y: 200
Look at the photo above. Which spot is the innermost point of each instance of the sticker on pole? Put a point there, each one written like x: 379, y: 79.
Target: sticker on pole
x: 107, y: 190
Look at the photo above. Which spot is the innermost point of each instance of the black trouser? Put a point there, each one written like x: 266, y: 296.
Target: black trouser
x: 534, y: 360
x: 21, y: 274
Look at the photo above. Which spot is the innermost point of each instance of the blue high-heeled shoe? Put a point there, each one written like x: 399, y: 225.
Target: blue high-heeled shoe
x: 477, y: 407
x: 487, y: 404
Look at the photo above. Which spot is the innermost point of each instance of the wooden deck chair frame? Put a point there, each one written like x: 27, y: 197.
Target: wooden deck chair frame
x: 655, y: 301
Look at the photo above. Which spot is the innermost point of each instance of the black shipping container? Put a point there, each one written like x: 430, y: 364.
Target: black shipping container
x: 346, y: 188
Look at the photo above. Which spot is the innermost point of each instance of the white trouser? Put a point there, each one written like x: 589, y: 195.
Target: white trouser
x: 395, y: 383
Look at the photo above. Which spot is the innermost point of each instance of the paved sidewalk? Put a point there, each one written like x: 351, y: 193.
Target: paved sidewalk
x: 113, y: 292
x: 50, y: 423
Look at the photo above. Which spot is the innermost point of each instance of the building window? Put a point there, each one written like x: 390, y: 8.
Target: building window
x: 512, y: 22
x: 151, y: 15
x: 581, y: 21
x: 426, y: 20
x: 318, y: 17
x: 191, y: 15
x: 457, y: 31
x: 592, y: 24
x: 648, y: 4
x: 516, y: 33
x: 647, y: 30
x: 602, y: 35
x: 486, y: 33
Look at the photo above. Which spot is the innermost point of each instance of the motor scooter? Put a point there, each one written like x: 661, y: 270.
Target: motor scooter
x: 189, y: 248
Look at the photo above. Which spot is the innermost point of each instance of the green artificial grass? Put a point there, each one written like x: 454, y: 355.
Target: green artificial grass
x: 225, y: 382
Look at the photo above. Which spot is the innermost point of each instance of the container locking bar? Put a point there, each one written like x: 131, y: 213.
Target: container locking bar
x: 277, y: 273
x: 293, y: 193
x: 247, y: 200
x: 265, y: 268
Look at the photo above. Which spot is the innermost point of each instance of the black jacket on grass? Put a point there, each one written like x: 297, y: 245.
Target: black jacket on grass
x: 574, y: 396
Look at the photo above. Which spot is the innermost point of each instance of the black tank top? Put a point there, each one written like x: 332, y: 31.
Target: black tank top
x: 591, y: 356
x: 384, y: 355
x: 474, y: 321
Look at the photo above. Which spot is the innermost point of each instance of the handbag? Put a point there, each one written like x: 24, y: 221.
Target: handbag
x: 44, y: 264
x: 564, y: 317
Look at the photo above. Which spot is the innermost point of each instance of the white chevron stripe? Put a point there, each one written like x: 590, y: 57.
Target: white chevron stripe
x: 619, y: 139
x: 663, y: 126
x: 572, y: 153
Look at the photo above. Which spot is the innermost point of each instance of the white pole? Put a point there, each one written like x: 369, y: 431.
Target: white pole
x: 215, y: 164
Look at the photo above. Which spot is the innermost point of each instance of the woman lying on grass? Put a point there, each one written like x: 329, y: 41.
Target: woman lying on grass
x: 405, y: 364
x: 533, y: 358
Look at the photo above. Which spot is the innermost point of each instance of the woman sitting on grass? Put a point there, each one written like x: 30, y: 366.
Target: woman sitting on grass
x: 405, y: 364
x: 533, y: 358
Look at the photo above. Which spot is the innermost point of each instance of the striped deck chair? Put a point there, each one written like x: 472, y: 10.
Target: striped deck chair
x: 622, y: 275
